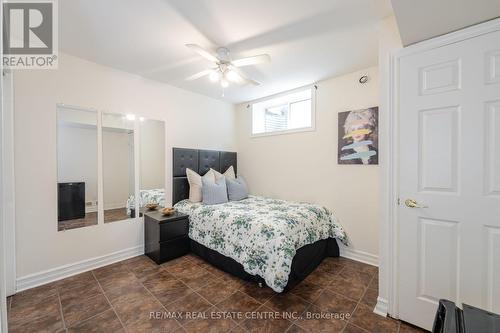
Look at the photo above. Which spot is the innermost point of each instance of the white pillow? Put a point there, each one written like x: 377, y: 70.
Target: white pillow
x: 228, y: 174
x: 195, y: 184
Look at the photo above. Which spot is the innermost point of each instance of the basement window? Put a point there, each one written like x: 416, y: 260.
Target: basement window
x: 284, y: 113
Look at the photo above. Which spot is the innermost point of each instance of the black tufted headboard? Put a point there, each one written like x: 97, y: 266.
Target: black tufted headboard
x: 200, y: 161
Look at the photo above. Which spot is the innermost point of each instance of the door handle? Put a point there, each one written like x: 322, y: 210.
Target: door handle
x: 413, y: 204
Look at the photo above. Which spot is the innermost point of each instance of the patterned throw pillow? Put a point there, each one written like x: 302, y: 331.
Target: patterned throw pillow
x: 229, y: 173
x: 214, y: 192
x: 195, y: 183
x: 237, y: 189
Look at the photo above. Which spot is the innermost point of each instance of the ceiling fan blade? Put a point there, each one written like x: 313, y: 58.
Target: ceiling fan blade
x: 240, y: 78
x: 199, y: 75
x: 252, y: 82
x: 258, y: 59
x: 204, y: 53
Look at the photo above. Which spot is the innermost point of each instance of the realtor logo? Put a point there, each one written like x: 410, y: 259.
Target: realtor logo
x: 30, y: 34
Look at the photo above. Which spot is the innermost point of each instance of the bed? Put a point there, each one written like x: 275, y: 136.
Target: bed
x: 269, y: 241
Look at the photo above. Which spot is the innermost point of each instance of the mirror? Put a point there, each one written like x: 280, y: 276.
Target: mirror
x: 76, y: 167
x: 117, y: 165
x: 152, y: 162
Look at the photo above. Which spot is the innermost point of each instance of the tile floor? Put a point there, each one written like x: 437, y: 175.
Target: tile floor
x: 110, y: 215
x: 123, y: 296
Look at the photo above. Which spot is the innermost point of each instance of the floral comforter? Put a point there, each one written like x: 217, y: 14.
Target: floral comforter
x: 260, y: 233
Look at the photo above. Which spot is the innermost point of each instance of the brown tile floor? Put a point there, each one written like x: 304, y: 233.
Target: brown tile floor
x: 121, y: 298
x: 118, y: 214
x: 110, y: 215
x: 88, y: 220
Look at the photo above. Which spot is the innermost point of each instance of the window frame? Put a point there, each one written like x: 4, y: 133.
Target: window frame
x: 313, y: 88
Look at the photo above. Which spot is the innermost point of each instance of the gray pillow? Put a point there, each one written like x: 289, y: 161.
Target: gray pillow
x: 214, y: 192
x: 236, y: 189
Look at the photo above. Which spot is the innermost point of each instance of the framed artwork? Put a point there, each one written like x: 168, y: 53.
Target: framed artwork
x: 358, y: 136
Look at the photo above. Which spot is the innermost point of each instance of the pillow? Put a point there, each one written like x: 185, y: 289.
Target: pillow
x: 237, y: 189
x: 228, y: 174
x: 214, y: 192
x: 195, y: 183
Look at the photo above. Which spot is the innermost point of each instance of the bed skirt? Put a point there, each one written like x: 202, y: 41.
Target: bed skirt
x: 304, y: 263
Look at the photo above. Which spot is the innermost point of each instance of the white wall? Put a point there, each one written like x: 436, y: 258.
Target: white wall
x: 189, y: 123
x: 303, y: 166
x: 433, y: 18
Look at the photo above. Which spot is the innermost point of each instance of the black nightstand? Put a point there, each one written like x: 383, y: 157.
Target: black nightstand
x: 165, y: 237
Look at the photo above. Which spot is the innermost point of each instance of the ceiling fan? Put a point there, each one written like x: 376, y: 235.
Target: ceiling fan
x: 225, y: 70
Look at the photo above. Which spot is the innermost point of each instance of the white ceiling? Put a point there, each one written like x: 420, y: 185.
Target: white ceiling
x: 418, y: 21
x: 308, y: 40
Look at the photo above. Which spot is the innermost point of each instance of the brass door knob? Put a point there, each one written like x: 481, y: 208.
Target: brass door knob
x: 413, y: 204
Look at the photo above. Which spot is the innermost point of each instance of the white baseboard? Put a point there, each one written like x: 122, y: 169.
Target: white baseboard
x: 90, y: 209
x: 114, y: 206
x: 58, y: 273
x: 382, y: 307
x: 365, y: 257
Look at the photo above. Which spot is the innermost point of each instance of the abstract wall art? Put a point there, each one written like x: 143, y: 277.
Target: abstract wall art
x: 358, y: 136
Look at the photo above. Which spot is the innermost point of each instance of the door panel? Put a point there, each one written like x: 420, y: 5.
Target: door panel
x: 449, y: 162
x: 492, y: 148
x: 438, y: 133
x: 492, y: 72
x: 440, y: 78
x: 438, y: 248
x: 491, y: 290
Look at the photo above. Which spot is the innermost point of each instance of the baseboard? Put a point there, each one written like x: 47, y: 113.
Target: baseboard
x: 90, y: 209
x: 365, y: 257
x: 114, y: 206
x: 58, y: 273
x: 382, y: 307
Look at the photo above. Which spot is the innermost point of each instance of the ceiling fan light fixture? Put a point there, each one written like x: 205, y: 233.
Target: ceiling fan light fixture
x: 226, y: 71
x: 214, y: 76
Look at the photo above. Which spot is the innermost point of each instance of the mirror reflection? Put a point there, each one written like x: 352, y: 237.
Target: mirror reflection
x: 152, y: 164
x: 76, y: 167
x: 118, y: 165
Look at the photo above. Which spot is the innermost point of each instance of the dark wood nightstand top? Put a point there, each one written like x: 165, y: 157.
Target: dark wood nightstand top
x: 158, y: 216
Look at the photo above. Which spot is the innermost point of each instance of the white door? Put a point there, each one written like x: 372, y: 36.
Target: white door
x: 449, y: 149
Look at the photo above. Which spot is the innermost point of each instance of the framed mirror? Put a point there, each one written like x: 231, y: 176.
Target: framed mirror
x: 118, y: 165
x: 76, y: 167
x: 152, y: 163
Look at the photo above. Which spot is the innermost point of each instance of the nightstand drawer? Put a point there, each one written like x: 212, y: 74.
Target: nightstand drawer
x: 174, y: 229
x: 174, y: 248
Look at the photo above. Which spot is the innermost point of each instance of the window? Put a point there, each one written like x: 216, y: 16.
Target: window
x: 285, y: 113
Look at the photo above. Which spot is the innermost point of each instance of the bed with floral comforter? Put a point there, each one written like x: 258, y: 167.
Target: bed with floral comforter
x: 260, y: 233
